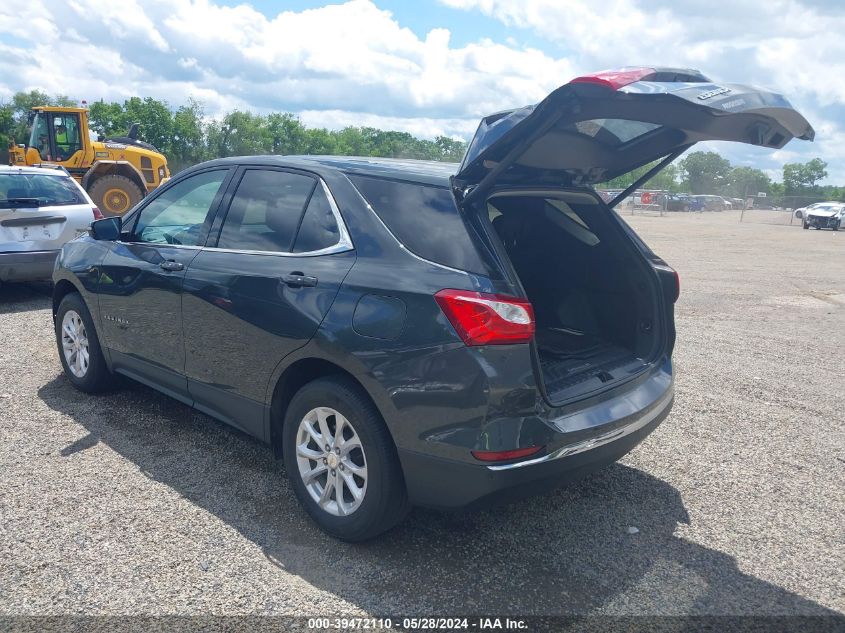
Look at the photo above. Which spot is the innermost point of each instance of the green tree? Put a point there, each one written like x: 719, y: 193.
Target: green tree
x: 154, y: 117
x: 7, y: 124
x: 801, y: 178
x: 287, y: 134
x: 186, y: 145
x: 107, y: 119
x: 705, y: 172
x: 748, y: 181
x: 22, y: 104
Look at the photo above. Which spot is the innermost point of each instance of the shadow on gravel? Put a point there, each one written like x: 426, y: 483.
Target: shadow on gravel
x: 23, y: 297
x: 567, y: 552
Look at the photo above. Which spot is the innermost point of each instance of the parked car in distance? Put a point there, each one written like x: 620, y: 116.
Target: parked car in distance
x: 801, y: 212
x: 826, y: 215
x: 711, y: 203
x: 41, y: 208
x: 682, y: 202
x: 406, y: 332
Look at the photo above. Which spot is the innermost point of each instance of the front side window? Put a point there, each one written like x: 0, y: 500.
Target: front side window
x: 179, y: 215
x: 266, y: 211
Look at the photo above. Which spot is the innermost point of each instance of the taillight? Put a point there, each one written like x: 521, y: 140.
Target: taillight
x: 502, y: 456
x: 97, y: 214
x: 480, y: 318
x: 615, y: 79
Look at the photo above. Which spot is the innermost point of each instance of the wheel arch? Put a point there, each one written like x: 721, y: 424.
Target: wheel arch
x: 114, y: 168
x: 61, y: 289
x: 293, y: 378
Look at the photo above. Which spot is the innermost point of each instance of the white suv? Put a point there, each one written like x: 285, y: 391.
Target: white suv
x: 41, y: 208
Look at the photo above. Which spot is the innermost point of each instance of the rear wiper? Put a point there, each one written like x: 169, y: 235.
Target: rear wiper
x: 19, y: 202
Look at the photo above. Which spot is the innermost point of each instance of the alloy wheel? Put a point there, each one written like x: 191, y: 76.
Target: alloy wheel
x: 75, y: 344
x: 331, y: 461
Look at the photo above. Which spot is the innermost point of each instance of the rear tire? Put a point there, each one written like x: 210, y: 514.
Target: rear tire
x: 79, y: 347
x: 115, y: 195
x: 334, y: 401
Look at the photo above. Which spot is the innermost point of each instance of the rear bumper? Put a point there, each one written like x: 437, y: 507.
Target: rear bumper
x: 587, y: 440
x: 27, y: 266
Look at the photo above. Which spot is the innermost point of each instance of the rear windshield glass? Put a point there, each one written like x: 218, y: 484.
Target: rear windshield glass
x: 48, y: 190
x: 424, y: 218
x: 614, y: 131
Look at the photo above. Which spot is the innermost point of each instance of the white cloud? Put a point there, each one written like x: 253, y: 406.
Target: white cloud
x: 786, y: 45
x: 353, y: 63
x: 352, y: 57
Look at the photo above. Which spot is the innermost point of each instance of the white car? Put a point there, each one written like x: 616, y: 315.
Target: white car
x: 41, y: 208
x: 825, y: 215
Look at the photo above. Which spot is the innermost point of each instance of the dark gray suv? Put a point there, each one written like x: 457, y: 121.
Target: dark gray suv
x: 408, y: 332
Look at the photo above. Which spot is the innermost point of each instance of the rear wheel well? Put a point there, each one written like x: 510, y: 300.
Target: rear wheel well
x: 60, y: 291
x: 292, y: 380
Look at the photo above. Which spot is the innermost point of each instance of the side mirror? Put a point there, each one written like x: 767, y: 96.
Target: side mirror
x: 107, y: 228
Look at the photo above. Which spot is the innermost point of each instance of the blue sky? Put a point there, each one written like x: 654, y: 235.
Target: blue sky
x: 424, y: 66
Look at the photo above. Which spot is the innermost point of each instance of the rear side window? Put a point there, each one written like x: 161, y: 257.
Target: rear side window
x: 319, y: 228
x: 424, y: 218
x: 48, y: 190
x: 265, y: 211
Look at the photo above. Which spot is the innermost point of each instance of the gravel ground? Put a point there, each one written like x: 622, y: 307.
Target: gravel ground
x: 132, y: 503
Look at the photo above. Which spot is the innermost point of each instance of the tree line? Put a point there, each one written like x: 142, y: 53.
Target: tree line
x: 186, y: 136
x: 710, y: 173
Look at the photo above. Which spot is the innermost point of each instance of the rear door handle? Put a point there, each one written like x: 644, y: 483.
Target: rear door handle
x: 171, y: 265
x: 298, y: 280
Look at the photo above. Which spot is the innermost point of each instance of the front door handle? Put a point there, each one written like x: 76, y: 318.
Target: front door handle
x: 171, y: 266
x: 298, y: 280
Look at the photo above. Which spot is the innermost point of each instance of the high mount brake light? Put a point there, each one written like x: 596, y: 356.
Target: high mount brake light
x: 615, y: 79
x: 481, y: 318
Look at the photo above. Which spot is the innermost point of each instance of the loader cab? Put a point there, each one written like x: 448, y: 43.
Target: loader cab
x: 57, y: 135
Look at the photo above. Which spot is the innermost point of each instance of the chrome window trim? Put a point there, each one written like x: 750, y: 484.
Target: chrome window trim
x: 343, y: 245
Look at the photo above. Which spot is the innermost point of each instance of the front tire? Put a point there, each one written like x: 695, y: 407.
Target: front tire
x: 341, y: 460
x: 115, y: 195
x: 805, y: 225
x: 79, y: 347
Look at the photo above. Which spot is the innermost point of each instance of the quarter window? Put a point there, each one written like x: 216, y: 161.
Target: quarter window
x: 179, y: 215
x: 424, y: 218
x: 266, y: 211
x: 319, y: 227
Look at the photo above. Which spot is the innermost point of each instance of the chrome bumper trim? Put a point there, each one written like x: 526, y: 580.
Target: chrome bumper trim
x: 597, y: 440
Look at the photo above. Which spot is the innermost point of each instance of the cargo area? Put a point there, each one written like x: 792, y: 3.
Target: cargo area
x: 595, y: 303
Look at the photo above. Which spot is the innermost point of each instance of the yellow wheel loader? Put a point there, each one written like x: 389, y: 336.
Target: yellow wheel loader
x: 116, y: 172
